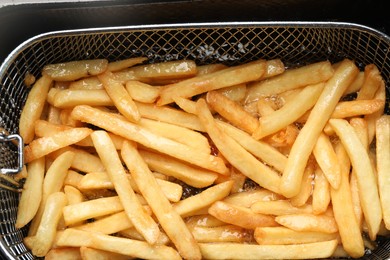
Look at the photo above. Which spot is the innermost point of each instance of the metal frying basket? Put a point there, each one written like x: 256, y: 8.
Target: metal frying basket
x: 230, y: 43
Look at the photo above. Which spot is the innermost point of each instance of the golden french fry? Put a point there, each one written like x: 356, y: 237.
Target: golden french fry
x: 321, y: 192
x: 303, y: 146
x: 289, y: 112
x: 32, y: 193
x: 73, y: 195
x: 225, y: 233
x: 186, y: 104
x: 69, y: 98
x: 108, y: 225
x: 141, y: 135
x: 73, y: 70
x: 306, y: 187
x: 371, y: 83
x: 87, y: 253
x: 308, y: 222
x: 232, y: 111
x: 132, y: 233
x: 371, y: 118
x: 124, y: 64
x: 205, y: 220
x: 134, y: 210
x: 236, y: 93
x: 33, y: 108
x: 356, y: 84
x: 240, y: 216
x: 357, y: 108
x: 291, y: 79
x: 248, y: 197
x: 66, y: 253
x: 364, y: 172
x: 383, y: 164
x: 201, y: 200
x: 142, y: 92
x: 220, y: 79
x: 90, y: 83
x: 279, y: 207
x: 246, y: 163
x: 247, y: 251
x: 286, y: 236
x: 327, y: 160
x: 46, y: 231
x: 169, y: 219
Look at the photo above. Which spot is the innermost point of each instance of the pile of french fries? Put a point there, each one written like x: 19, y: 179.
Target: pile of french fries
x: 283, y: 163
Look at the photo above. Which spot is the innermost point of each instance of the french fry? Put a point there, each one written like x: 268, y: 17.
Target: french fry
x: 356, y: 84
x: 306, y: 187
x: 308, y: 222
x: 111, y: 161
x: 321, y: 192
x: 364, y: 172
x: 89, y: 83
x: 236, y: 93
x: 240, y: 216
x: 142, y: 92
x: 247, y: 251
x: 291, y: 79
x: 73, y: 70
x: 169, y: 219
x: 303, y: 146
x: 66, y: 253
x: 286, y: 236
x: 186, y: 104
x: 236, y: 154
x: 383, y: 164
x: 225, y: 233
x: 134, y: 132
x: 33, y: 108
x: 327, y: 160
x: 132, y: 233
x: 96, y: 254
x: 32, y: 193
x: 188, y: 206
x: 69, y: 98
x: 372, y: 82
x: 357, y: 108
x: 205, y: 220
x: 279, y: 207
x: 47, y: 228
x: 248, y: 197
x: 220, y: 79
x: 73, y: 195
x: 232, y: 111
x: 124, y: 64
x: 108, y: 225
x: 289, y: 113
x: 371, y: 118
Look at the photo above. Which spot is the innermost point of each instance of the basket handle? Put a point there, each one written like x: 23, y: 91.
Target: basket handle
x: 18, y: 141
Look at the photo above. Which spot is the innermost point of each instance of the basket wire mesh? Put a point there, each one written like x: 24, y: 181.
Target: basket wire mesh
x: 296, y: 43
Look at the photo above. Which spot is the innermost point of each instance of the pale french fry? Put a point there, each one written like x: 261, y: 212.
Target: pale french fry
x: 247, y: 251
x: 383, y: 164
x: 33, y: 108
x: 302, y: 148
x: 205, y: 220
x: 240, y: 216
x: 142, y: 92
x: 371, y: 118
x: 232, y: 111
x: 47, y: 228
x: 327, y: 160
x: 187, y: 105
x: 169, y: 219
x: 136, y: 133
x: 291, y: 79
x: 223, y: 78
x: 73, y: 70
x: 89, y: 83
x: 308, y: 222
x: 125, y: 246
x: 260, y: 149
x: 364, y: 172
x: 286, y: 236
x: 306, y: 187
x: 188, y: 206
x: 264, y: 107
x: 357, y: 108
x: 132, y: 233
x: 290, y: 112
x: 248, y: 197
x: 73, y: 195
x: 67, y: 120
x: 66, y: 253
x: 236, y: 177
x: 53, y: 114
x: 124, y: 64
x: 111, y: 161
x: 236, y: 93
x: 68, y: 98
x: 225, y: 233
x: 342, y: 204
x: 356, y: 84
x: 371, y: 83
x: 279, y: 207
x: 357, y: 206
x: 246, y: 163
x: 108, y: 225
x: 32, y: 193
x: 321, y: 192
x: 87, y: 253
x: 209, y: 68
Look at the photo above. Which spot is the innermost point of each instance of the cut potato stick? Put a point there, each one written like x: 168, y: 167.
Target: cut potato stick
x: 286, y: 236
x: 246, y: 163
x: 232, y: 111
x: 65, y: 253
x: 220, y: 79
x: 236, y: 93
x: 383, y: 164
x: 73, y: 195
x: 68, y: 98
x: 187, y: 105
x: 134, y: 210
x: 132, y: 233
x: 124, y: 64
x: 32, y: 193
x: 86, y: 84
x: 108, y: 225
x: 142, y: 92
x: 279, y: 207
x: 205, y: 220
x: 356, y: 84
x: 289, y: 112
x: 371, y: 118
x: 372, y: 81
x: 125, y: 246
x: 201, y: 200
x: 143, y: 136
x: 119, y: 95
x: 364, y: 172
x: 169, y: 219
x: 308, y: 222
x: 87, y: 253
x: 73, y: 70
x: 247, y: 251
x: 321, y: 192
x: 306, y: 187
x: 240, y: 216
x: 304, y: 144
x: 33, y: 108
x: 357, y: 108
x: 248, y: 197
x: 344, y: 214
x: 291, y: 79
x: 225, y: 233
x: 327, y: 160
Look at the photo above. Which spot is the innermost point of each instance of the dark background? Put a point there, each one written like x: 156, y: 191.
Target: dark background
x: 20, y: 22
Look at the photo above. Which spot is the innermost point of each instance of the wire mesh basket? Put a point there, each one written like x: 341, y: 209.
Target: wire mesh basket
x: 296, y: 43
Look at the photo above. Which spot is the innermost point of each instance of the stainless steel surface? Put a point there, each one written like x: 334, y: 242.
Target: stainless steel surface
x: 230, y: 43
